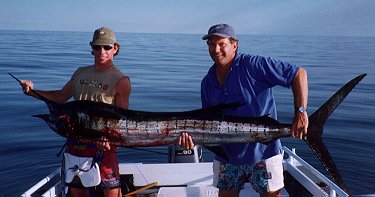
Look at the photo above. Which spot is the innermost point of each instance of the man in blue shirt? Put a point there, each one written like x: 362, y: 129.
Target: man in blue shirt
x: 249, y: 79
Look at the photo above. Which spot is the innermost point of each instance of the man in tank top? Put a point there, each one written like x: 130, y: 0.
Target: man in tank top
x: 100, y: 82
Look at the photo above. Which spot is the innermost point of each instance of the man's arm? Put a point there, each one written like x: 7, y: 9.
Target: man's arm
x: 121, y: 93
x: 300, y: 94
x: 59, y: 96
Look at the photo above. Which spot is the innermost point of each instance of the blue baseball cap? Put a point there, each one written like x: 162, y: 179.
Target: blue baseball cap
x: 222, y: 30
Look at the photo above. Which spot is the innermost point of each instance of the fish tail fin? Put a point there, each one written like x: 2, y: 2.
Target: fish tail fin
x: 315, y: 130
x: 48, y: 102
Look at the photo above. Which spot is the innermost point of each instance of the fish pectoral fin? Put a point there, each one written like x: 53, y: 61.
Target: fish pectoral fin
x: 217, y: 150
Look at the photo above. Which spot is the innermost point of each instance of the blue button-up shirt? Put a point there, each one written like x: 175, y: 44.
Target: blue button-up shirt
x: 249, y: 82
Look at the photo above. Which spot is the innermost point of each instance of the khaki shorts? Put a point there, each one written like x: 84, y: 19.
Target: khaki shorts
x: 264, y: 176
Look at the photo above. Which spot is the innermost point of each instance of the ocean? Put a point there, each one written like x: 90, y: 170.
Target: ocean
x: 165, y: 71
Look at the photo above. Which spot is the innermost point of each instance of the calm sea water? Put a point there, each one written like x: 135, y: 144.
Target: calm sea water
x: 165, y: 71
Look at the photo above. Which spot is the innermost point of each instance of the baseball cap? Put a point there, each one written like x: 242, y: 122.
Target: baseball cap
x: 222, y: 30
x: 103, y: 36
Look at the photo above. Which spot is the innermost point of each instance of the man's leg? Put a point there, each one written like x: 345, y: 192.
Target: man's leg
x: 229, y: 193
x: 271, y: 194
x: 267, y: 176
x: 116, y: 192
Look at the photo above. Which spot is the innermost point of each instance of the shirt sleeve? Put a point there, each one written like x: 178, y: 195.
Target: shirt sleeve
x: 274, y: 72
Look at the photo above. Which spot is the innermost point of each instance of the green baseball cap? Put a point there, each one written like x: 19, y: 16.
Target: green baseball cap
x: 103, y: 36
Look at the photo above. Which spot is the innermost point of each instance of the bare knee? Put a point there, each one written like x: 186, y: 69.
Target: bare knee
x: 229, y: 193
x: 78, y: 192
x: 271, y: 194
x: 116, y: 192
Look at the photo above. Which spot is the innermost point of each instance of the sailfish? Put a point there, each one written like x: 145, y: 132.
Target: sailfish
x: 89, y: 122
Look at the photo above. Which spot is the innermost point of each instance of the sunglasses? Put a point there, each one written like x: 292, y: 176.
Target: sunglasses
x: 99, y: 47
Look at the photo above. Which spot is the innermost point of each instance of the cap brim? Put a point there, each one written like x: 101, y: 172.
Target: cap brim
x: 103, y: 42
x: 215, y: 34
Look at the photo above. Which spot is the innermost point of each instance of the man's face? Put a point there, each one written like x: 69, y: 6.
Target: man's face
x: 104, y: 53
x: 222, y: 50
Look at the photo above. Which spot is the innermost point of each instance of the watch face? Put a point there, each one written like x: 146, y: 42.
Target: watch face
x: 301, y: 109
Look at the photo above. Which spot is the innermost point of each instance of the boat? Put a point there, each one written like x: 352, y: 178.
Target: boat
x: 185, y: 175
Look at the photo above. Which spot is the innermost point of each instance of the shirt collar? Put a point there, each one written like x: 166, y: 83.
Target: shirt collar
x: 235, y: 63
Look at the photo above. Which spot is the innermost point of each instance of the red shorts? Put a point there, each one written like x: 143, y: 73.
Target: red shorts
x: 109, y: 170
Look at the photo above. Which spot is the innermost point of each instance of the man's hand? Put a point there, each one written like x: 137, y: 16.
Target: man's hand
x: 299, y: 125
x: 103, y: 144
x: 185, y: 141
x: 27, y: 86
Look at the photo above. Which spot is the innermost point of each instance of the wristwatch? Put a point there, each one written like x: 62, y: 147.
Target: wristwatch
x: 300, y: 109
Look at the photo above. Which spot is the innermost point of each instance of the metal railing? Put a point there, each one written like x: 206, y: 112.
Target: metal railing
x: 294, y: 158
x: 41, y: 183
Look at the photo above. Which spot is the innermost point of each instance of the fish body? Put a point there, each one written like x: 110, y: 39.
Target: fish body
x: 88, y: 121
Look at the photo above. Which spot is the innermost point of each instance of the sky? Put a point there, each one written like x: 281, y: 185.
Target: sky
x: 254, y: 17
